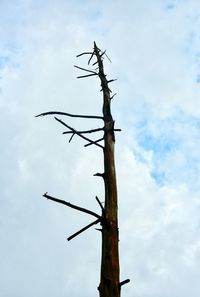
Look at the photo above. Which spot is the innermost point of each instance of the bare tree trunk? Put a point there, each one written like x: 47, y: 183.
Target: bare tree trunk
x: 110, y: 285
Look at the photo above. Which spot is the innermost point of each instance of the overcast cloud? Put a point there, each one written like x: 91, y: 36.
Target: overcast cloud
x: 154, y: 46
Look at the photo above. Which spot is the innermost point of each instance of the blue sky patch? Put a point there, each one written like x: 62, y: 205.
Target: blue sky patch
x: 159, y: 177
x: 172, y: 145
x: 170, y: 6
x: 4, y: 60
x: 160, y: 146
x: 198, y: 79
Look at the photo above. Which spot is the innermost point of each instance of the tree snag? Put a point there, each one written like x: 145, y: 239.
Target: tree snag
x: 110, y: 285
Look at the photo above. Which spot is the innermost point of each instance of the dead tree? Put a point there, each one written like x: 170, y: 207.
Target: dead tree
x: 110, y: 284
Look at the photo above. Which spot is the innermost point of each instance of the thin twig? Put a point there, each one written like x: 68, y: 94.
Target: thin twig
x: 111, y: 80
x: 99, y: 202
x: 83, y: 76
x: 94, y: 142
x: 85, y: 69
x: 113, y: 96
x: 76, y: 132
x: 86, y: 131
x: 83, y: 229
x: 108, y: 58
x: 101, y: 55
x: 94, y: 63
x: 71, y: 137
x: 73, y: 206
x: 86, y: 53
x: 69, y: 115
x: 90, y: 58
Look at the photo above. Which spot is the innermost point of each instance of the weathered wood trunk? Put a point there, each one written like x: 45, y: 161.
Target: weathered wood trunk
x: 109, y: 281
x: 110, y: 284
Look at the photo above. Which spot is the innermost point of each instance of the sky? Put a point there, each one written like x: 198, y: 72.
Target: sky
x: 154, y: 47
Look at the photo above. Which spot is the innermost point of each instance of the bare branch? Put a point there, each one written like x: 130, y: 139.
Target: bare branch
x: 76, y: 132
x: 69, y: 115
x: 101, y: 55
x: 94, y: 63
x: 92, y: 55
x: 86, y: 131
x: 73, y: 206
x: 71, y: 137
x: 99, y: 174
x: 94, y: 142
x: 85, y: 69
x: 86, y: 53
x: 100, y: 204
x: 83, y: 229
x: 108, y: 58
x: 113, y: 96
x: 83, y: 76
x: 98, y: 229
x: 126, y: 281
x: 111, y: 80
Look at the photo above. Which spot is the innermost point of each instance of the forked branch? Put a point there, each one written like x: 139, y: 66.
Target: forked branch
x: 79, y: 134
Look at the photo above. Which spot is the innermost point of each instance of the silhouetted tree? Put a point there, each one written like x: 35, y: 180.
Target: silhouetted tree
x: 110, y: 284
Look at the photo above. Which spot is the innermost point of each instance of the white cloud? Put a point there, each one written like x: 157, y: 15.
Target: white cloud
x: 163, y: 224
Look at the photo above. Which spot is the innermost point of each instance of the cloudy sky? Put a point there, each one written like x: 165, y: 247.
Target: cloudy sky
x: 154, y: 46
